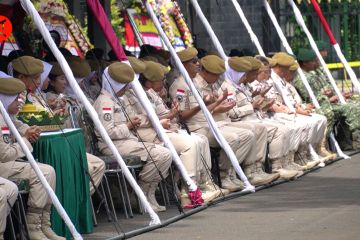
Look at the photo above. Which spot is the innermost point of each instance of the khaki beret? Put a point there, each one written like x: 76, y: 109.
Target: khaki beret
x: 137, y: 65
x: 154, y: 71
x: 121, y: 72
x: 294, y: 67
x: 187, y: 54
x: 213, y: 64
x: 240, y: 64
x: 255, y: 64
x: 283, y: 59
x: 306, y: 55
x: 56, y: 69
x: 79, y: 67
x: 28, y: 65
x: 11, y: 86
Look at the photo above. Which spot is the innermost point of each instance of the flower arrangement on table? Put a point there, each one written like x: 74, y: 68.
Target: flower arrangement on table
x: 37, y: 115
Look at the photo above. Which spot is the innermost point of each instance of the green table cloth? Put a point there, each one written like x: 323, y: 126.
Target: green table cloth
x: 65, y: 152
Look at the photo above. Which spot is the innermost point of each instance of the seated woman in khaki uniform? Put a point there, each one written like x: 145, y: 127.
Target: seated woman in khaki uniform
x: 8, y: 196
x: 13, y: 165
x: 110, y: 107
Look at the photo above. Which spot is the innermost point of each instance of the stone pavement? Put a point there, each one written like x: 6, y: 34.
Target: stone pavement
x: 324, y: 204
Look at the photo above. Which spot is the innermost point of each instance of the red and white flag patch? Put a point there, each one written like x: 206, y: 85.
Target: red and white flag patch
x: 5, y: 131
x: 180, y: 92
x: 106, y: 110
x: 230, y: 96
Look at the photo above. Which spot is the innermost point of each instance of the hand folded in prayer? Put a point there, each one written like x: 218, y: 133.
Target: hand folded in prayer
x: 256, y: 92
x: 302, y: 111
x: 208, y: 99
x: 310, y: 106
x: 134, y: 123
x: 166, y: 123
x: 225, y: 106
x: 174, y: 109
x: 334, y: 99
x: 257, y: 102
x: 33, y: 133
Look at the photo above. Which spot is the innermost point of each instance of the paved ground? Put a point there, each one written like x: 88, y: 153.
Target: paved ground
x: 324, y: 204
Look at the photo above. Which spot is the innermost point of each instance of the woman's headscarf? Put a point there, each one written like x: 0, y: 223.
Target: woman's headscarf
x: 110, y: 85
x: 44, y: 75
x: 232, y: 75
x: 5, y: 98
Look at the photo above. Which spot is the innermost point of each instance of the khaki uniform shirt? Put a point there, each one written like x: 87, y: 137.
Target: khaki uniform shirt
x: 242, y: 96
x: 10, y: 150
x: 113, y: 119
x: 180, y: 91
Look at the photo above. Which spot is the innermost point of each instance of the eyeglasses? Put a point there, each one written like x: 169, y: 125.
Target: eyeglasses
x: 195, y: 60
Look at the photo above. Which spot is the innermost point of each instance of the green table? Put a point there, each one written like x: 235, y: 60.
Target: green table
x: 65, y: 151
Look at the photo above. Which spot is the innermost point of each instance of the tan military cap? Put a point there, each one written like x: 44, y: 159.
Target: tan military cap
x: 187, y: 54
x: 255, y: 64
x: 154, y: 71
x: 240, y: 64
x: 11, y: 86
x: 137, y: 65
x: 294, y: 67
x: 283, y: 59
x: 79, y: 67
x: 121, y: 72
x: 213, y: 64
x: 56, y: 69
x: 28, y: 65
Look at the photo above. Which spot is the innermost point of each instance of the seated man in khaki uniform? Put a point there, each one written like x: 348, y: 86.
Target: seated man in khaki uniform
x: 304, y: 110
x: 8, y: 196
x: 240, y: 140
x: 315, y: 125
x: 193, y: 149
x: 241, y: 71
x: 110, y: 107
x: 13, y: 165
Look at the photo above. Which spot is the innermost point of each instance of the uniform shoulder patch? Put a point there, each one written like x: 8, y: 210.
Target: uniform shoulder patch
x: 107, y: 113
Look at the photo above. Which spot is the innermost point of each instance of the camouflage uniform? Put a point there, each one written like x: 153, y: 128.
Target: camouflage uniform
x: 318, y: 86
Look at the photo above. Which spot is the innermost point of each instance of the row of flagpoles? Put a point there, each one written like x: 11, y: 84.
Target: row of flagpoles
x: 97, y: 10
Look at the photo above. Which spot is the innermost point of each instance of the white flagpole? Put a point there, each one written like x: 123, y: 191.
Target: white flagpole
x: 303, y: 26
x: 30, y: 9
x: 212, y: 123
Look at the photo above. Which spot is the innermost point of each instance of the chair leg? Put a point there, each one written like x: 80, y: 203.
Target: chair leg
x: 110, y: 198
x: 141, y: 209
x: 127, y: 198
x: 93, y: 212
x: 104, y: 200
x: 12, y: 230
x: 23, y: 216
x: 122, y: 195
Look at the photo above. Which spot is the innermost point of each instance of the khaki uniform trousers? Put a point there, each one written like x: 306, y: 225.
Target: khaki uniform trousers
x: 240, y: 141
x: 186, y: 146
x: 204, y: 155
x: 8, y: 193
x: 258, y: 150
x: 38, y: 198
x: 156, y: 157
x: 96, y: 168
x: 318, y: 125
x: 301, y: 129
